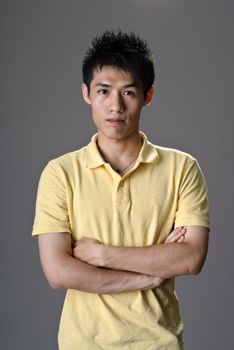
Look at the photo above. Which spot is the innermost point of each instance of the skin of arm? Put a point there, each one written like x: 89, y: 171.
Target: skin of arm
x: 168, y: 260
x: 63, y: 270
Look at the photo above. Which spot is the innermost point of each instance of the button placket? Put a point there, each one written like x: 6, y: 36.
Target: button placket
x: 122, y: 194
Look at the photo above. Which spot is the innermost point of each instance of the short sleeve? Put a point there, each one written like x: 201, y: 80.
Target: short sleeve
x: 51, y: 212
x: 192, y: 206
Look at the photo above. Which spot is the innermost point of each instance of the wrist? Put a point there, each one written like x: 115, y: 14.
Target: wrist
x: 103, y: 250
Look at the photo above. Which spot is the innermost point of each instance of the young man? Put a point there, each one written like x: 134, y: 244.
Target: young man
x: 118, y: 219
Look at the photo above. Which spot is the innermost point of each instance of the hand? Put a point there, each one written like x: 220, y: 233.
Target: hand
x: 89, y: 250
x: 158, y: 281
x: 152, y: 282
x: 176, y: 236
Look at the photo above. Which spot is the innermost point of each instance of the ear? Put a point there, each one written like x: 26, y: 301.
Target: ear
x: 149, y: 96
x: 85, y: 93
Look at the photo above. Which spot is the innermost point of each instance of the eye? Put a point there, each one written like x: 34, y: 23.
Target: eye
x: 129, y: 93
x: 102, y: 91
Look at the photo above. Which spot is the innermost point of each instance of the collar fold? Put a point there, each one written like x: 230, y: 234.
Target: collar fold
x: 93, y: 156
x: 148, y: 153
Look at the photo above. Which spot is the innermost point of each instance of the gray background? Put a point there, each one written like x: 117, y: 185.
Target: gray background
x: 43, y: 116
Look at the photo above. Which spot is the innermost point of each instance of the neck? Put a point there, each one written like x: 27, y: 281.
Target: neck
x: 120, y: 153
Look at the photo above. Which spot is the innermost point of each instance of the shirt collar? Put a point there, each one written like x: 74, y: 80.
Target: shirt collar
x: 148, y: 153
x: 93, y: 156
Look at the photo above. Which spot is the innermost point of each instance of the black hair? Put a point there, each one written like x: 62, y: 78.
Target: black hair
x: 123, y: 51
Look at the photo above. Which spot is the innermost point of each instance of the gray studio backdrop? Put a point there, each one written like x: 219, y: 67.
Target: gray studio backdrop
x: 43, y: 116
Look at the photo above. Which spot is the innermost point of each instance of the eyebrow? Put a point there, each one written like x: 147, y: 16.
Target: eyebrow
x: 125, y: 86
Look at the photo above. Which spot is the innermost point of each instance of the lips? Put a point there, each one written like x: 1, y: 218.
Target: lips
x: 115, y: 121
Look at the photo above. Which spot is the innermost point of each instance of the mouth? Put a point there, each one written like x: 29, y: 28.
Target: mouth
x: 115, y: 121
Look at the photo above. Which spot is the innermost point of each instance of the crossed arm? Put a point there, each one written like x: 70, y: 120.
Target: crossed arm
x: 183, y: 257
x: 97, y: 268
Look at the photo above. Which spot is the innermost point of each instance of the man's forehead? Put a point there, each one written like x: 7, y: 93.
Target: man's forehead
x: 108, y: 74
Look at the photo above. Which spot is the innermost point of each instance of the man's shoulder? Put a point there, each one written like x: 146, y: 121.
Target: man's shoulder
x: 69, y: 156
x: 68, y: 160
x: 170, y: 154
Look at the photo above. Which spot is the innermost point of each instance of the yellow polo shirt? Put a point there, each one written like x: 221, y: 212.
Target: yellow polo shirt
x: 81, y: 194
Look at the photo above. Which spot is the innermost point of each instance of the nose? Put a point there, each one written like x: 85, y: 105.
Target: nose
x: 117, y: 103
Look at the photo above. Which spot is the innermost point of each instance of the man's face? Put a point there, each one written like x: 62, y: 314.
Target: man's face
x: 116, y: 101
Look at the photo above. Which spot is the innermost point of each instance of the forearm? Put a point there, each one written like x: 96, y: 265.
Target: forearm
x: 71, y: 273
x: 163, y: 260
x: 183, y: 252
x: 75, y: 274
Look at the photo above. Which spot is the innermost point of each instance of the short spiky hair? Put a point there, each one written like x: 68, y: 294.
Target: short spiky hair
x: 123, y: 51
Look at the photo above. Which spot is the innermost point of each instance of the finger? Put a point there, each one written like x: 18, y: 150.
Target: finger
x: 176, y: 235
x: 180, y: 235
x: 181, y: 239
x: 88, y: 239
x: 173, y: 234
